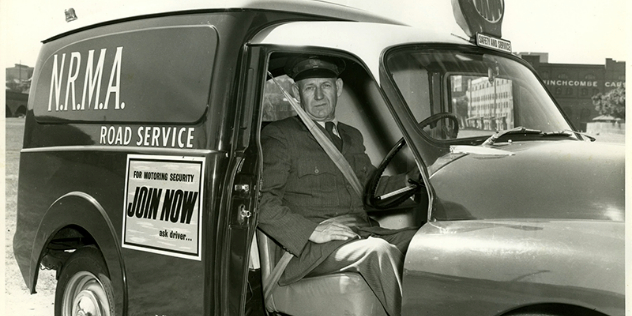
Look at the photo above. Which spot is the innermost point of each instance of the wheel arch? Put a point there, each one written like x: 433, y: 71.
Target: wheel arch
x: 79, y: 215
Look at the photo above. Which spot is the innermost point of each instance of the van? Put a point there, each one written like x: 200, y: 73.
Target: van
x: 140, y: 171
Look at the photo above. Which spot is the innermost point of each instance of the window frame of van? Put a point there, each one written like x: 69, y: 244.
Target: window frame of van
x: 389, y: 84
x: 267, y: 50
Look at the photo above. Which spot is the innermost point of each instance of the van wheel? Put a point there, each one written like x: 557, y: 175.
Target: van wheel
x: 84, y: 287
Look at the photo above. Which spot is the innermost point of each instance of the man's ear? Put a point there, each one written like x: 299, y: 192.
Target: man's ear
x: 339, y: 87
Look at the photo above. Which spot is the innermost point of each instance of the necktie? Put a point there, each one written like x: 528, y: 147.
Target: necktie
x: 329, y: 127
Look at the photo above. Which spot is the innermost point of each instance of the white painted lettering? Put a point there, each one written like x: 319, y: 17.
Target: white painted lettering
x: 180, y: 143
x: 119, y: 136
x: 173, y: 138
x: 104, y: 131
x: 72, y: 76
x: 154, y: 136
x: 111, y: 134
x: 146, y: 141
x: 190, y: 137
x: 165, y: 135
x: 140, y: 136
x: 128, y: 135
x: 93, y: 79
x: 55, y: 82
x: 115, y: 135
x: 115, y: 75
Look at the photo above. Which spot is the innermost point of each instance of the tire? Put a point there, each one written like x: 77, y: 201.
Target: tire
x: 84, y: 287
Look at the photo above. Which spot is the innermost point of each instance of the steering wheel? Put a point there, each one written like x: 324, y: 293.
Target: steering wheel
x: 450, y: 132
x: 391, y: 199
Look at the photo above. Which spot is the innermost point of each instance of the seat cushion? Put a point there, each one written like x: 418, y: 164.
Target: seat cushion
x: 336, y: 294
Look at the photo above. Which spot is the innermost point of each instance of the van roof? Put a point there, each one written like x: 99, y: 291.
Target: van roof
x: 352, y: 37
x: 143, y: 8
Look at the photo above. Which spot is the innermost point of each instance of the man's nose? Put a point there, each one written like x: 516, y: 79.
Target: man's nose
x: 319, y: 94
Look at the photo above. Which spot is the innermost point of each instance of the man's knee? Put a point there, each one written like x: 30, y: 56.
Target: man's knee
x: 381, y: 247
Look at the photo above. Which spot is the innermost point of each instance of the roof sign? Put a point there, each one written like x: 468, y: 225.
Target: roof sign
x: 479, y: 16
x: 482, y: 21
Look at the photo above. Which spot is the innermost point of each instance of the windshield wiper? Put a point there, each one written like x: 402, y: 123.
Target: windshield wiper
x: 524, y: 131
x: 517, y: 130
x: 568, y: 132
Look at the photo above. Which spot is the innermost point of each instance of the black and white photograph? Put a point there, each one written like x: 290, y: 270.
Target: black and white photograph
x: 316, y: 157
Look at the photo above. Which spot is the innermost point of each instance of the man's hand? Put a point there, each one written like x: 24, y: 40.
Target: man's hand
x: 414, y: 176
x: 332, y: 229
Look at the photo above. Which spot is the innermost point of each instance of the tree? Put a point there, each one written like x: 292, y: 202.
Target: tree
x: 611, y: 103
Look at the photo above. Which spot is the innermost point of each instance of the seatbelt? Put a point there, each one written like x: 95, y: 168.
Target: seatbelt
x: 339, y: 160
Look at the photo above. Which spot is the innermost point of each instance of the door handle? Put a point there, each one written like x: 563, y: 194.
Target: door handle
x: 244, y: 214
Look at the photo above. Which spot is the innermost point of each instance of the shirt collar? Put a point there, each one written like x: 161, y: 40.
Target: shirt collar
x: 322, y: 123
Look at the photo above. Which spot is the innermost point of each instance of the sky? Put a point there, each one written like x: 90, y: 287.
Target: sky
x: 571, y: 31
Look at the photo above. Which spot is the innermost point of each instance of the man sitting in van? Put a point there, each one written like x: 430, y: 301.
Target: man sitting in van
x: 307, y: 204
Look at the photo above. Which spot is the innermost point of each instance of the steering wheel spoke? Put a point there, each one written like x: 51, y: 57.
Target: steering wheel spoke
x: 393, y: 198
x: 448, y: 131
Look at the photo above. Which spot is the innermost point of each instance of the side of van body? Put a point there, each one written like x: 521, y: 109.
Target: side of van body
x: 141, y: 164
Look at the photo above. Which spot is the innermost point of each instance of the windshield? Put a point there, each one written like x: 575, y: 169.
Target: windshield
x: 484, y: 92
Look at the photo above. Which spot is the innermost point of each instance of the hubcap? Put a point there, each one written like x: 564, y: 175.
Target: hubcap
x: 85, y: 296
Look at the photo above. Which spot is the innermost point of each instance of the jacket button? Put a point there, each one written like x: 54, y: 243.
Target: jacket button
x: 316, y: 170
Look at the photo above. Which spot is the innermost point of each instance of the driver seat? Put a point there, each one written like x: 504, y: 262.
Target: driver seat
x: 344, y: 293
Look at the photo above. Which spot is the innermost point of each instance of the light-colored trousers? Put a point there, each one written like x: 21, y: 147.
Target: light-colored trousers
x: 379, y: 260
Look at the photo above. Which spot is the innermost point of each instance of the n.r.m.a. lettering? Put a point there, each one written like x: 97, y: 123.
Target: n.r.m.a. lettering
x: 82, y: 81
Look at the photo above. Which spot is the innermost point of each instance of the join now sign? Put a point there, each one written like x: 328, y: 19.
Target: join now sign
x: 163, y: 203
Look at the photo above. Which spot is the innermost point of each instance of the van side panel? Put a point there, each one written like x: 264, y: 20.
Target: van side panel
x: 156, y: 77
x: 154, y: 100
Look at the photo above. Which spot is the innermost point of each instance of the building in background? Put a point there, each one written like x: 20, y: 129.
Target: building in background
x: 487, y: 112
x: 18, y: 78
x: 573, y: 85
x: 17, y: 86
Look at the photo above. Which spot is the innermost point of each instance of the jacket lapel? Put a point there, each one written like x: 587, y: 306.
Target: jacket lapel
x: 346, y: 139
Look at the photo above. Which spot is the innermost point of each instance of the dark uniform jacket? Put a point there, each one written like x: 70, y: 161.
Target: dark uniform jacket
x: 302, y: 187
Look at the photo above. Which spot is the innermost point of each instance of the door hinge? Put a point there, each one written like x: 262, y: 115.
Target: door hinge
x: 242, y: 188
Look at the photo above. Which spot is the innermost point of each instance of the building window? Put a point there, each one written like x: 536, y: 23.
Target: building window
x: 584, y: 92
x: 562, y: 76
x: 590, y: 77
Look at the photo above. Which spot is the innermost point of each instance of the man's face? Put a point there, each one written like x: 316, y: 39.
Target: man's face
x: 319, y: 96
